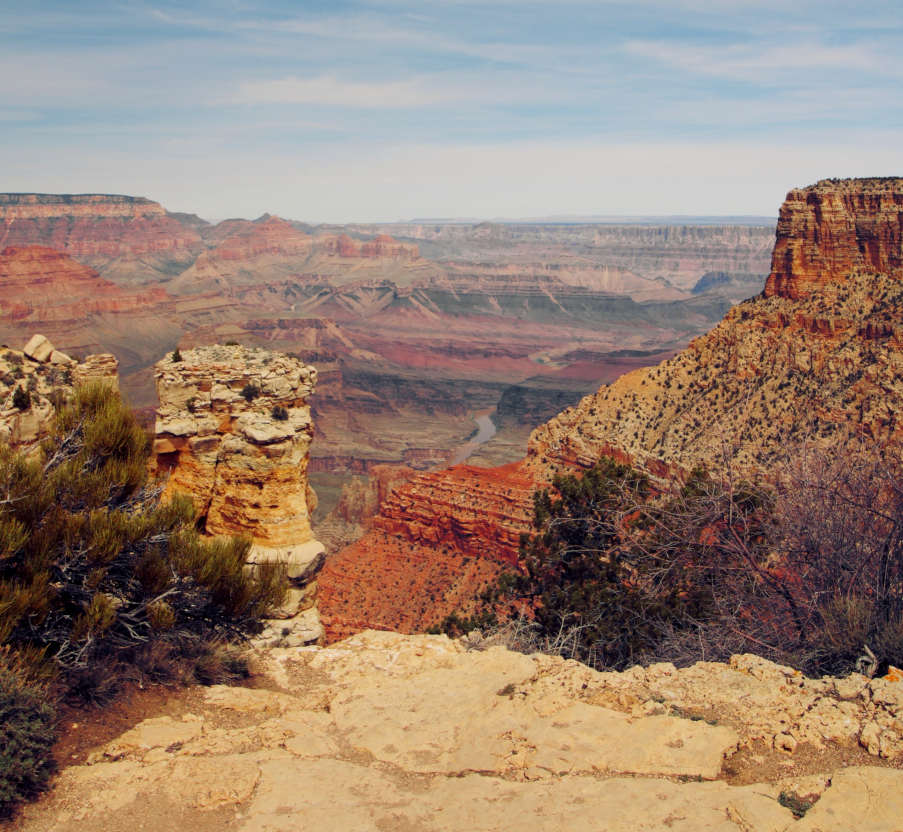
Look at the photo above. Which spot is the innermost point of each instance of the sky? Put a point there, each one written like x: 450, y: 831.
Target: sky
x: 364, y: 110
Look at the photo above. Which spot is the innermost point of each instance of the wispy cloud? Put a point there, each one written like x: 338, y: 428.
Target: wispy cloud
x: 750, y: 62
x: 486, y: 105
x: 329, y: 90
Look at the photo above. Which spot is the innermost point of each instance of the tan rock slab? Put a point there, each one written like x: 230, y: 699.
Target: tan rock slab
x: 469, y: 718
x: 38, y: 348
x: 860, y: 799
x: 162, y: 732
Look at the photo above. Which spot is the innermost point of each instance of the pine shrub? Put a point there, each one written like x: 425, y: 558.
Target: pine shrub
x: 27, y: 733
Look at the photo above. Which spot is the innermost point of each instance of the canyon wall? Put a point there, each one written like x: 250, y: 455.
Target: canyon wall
x: 233, y: 432
x: 809, y: 360
x: 131, y: 240
x: 414, y: 334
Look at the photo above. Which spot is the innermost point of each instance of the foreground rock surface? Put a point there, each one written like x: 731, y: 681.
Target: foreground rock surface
x: 391, y: 732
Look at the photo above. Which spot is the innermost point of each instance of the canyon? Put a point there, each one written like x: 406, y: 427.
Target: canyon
x: 421, y: 731
x: 805, y: 361
x: 415, y: 328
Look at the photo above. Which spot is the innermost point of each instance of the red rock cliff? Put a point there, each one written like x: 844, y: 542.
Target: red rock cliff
x: 41, y: 285
x: 127, y: 238
x: 828, y: 230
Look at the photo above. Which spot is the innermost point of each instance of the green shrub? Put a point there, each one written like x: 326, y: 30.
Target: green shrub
x: 279, y: 413
x: 27, y: 734
x: 176, y: 356
x: 94, y: 568
x: 21, y: 399
x: 250, y: 392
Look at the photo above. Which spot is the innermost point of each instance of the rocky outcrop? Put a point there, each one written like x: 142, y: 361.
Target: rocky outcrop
x: 34, y: 380
x: 833, y: 229
x: 425, y: 733
x: 233, y: 432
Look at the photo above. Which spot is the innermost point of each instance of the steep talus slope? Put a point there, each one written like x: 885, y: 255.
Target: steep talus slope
x: 392, y: 732
x: 807, y: 359
x: 437, y: 540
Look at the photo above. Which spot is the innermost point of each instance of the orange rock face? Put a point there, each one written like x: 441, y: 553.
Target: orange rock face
x: 233, y: 432
x: 437, y: 540
x: 829, y: 230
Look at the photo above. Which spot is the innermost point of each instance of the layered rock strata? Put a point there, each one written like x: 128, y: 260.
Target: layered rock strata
x: 234, y: 431
x: 419, y: 732
x: 41, y: 284
x: 130, y: 239
x: 31, y: 383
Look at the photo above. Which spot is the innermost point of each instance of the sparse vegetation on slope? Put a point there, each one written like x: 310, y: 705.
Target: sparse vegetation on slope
x: 807, y: 571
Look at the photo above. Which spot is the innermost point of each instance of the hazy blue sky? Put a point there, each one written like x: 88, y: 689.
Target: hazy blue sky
x: 369, y: 110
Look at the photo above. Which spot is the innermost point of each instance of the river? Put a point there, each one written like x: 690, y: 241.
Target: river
x: 485, y: 431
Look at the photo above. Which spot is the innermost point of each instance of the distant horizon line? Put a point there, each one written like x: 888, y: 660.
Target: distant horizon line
x: 548, y: 219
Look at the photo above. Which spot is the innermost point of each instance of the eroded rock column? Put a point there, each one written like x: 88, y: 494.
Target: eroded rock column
x: 233, y: 432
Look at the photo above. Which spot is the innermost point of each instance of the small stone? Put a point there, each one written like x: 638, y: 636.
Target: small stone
x: 785, y: 742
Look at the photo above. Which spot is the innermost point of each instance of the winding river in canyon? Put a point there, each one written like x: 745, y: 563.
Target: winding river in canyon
x: 486, y: 429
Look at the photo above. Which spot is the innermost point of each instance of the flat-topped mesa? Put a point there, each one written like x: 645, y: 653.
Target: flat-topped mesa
x: 233, y: 432
x: 834, y: 228
x: 28, y: 206
x: 31, y: 380
x: 129, y: 240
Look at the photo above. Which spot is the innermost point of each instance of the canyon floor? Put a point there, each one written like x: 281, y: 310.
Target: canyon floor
x: 390, y: 732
